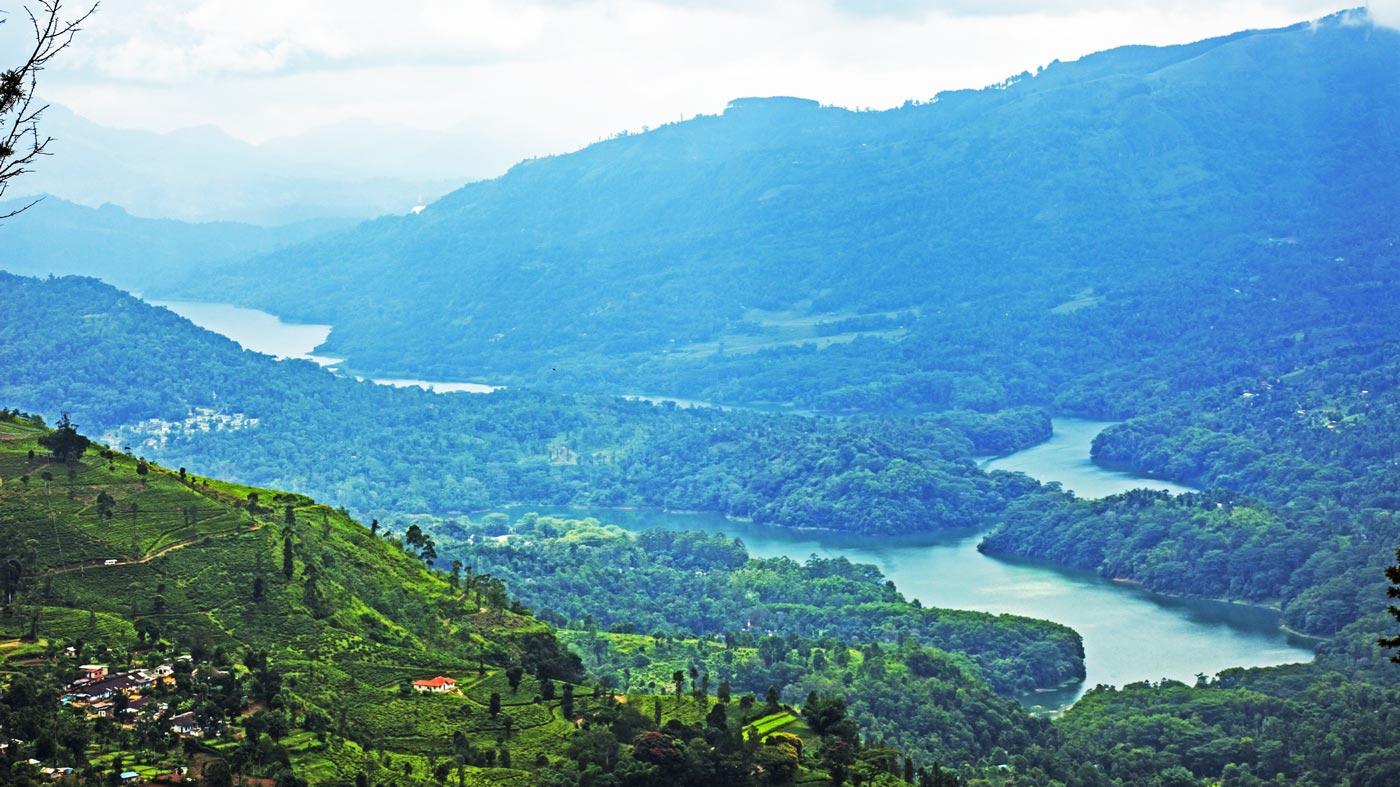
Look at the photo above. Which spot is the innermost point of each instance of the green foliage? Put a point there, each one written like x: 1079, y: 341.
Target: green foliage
x: 64, y: 442
x: 875, y: 476
x: 1392, y: 573
x: 692, y: 583
x: 1297, y: 506
x: 356, y: 616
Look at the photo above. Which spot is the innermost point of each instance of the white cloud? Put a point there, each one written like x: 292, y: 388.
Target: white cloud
x: 1385, y: 12
x: 172, y: 41
x: 550, y: 75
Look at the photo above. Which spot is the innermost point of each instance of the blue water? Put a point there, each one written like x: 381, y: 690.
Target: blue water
x: 1129, y: 634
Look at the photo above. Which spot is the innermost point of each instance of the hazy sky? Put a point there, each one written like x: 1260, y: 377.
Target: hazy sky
x: 551, y: 75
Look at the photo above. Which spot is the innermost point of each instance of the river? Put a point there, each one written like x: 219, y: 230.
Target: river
x: 1129, y: 634
x: 1064, y: 459
x: 265, y: 333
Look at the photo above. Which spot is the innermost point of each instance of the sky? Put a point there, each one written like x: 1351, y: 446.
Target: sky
x: 546, y: 76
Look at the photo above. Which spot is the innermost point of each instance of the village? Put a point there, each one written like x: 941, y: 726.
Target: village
x: 188, y: 712
x: 124, y: 695
x: 169, y: 703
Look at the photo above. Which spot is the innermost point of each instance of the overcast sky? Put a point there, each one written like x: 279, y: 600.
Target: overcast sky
x: 551, y: 75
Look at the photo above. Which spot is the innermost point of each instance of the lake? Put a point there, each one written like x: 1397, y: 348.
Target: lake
x: 255, y: 330
x: 265, y: 333
x: 1129, y: 634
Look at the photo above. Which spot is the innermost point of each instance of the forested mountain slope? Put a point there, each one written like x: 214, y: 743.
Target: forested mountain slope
x: 1177, y: 214
x: 190, y: 397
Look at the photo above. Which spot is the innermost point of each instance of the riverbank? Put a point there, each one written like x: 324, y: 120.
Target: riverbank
x: 1130, y: 634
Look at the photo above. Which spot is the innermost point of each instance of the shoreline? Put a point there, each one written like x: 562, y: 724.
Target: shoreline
x: 1312, y: 641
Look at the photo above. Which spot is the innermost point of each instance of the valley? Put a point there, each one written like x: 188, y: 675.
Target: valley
x: 1129, y: 634
x: 1045, y: 434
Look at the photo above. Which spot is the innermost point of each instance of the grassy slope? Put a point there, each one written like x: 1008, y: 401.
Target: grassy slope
x: 187, y: 561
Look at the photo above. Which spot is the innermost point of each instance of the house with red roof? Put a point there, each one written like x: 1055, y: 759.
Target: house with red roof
x: 437, y: 685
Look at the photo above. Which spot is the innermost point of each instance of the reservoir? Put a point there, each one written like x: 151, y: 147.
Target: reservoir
x: 255, y: 330
x: 1129, y: 634
x: 265, y: 333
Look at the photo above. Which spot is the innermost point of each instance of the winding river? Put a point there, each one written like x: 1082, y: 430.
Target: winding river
x: 1129, y: 634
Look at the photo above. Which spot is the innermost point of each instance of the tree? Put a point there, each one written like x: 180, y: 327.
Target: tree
x: 718, y: 716
x: 287, y: 565
x: 771, y: 649
x: 495, y: 705
x: 106, y: 504
x: 20, y: 139
x: 823, y: 715
x: 1392, y: 573
x: 836, y: 757
x: 218, y: 774
x: 63, y: 442
x: 513, y: 675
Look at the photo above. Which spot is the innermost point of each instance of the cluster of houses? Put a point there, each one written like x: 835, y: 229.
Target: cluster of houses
x: 121, y: 695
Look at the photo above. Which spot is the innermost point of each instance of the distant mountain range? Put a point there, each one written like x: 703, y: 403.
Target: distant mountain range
x: 59, y: 237
x: 1065, y: 233
x: 356, y: 170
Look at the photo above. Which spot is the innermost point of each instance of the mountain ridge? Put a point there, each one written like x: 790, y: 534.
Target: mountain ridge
x: 634, y: 255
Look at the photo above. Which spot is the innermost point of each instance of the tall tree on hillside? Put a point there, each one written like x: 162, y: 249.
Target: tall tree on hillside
x: 1392, y: 573
x: 64, y: 442
x: 21, y: 142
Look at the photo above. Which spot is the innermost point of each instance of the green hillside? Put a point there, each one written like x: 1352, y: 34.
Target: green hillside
x: 113, y: 556
x: 204, y: 402
x: 294, y: 633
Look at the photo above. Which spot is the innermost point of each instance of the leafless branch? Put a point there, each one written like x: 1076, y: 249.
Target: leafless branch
x: 21, y: 142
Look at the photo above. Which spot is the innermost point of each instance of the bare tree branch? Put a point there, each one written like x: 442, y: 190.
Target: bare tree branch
x: 21, y: 142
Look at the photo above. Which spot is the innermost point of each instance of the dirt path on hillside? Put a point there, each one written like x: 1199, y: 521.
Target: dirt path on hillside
x: 165, y: 550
